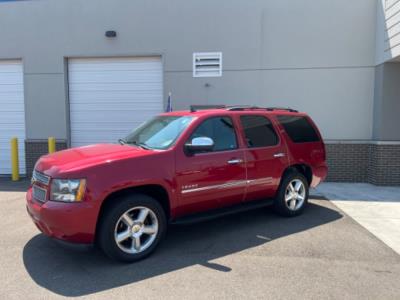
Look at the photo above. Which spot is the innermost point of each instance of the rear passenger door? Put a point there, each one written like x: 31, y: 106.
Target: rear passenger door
x: 266, y: 156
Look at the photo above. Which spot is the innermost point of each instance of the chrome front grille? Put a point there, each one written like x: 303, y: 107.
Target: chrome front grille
x: 40, y: 177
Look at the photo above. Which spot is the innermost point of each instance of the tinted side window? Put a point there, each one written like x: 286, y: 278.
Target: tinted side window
x: 221, y: 130
x: 299, y: 129
x: 258, y: 131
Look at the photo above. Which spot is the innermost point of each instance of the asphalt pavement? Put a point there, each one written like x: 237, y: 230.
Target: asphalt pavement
x: 322, y: 254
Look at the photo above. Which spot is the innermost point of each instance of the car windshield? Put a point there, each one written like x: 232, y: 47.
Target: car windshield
x: 158, y: 133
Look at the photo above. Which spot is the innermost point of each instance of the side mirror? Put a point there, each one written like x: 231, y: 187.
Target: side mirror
x: 199, y: 144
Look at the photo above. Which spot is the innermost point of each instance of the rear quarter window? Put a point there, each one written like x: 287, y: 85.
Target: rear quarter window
x: 299, y: 129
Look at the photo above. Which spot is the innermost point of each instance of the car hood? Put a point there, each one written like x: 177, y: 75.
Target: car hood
x: 76, y: 159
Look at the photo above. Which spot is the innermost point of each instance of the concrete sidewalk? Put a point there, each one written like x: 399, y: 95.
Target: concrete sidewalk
x: 374, y: 207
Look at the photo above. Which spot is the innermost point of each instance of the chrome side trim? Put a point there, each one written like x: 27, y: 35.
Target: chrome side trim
x: 266, y: 180
x: 217, y: 186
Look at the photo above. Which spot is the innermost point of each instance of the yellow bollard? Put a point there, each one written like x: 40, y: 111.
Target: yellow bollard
x: 52, y: 144
x: 14, y: 160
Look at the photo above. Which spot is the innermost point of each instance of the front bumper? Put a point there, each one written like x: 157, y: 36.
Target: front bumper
x: 70, y: 222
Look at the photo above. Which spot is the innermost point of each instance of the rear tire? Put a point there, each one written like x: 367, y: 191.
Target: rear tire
x: 292, y: 196
x: 132, y: 228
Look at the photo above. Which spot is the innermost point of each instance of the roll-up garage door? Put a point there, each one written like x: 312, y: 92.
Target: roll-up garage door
x: 109, y: 97
x: 12, y: 113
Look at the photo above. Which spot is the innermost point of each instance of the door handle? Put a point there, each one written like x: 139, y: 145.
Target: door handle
x: 281, y: 154
x: 235, y: 161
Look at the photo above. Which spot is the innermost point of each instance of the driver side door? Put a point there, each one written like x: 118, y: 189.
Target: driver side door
x: 216, y: 178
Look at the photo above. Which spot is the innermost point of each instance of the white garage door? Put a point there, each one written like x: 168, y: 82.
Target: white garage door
x: 12, y: 113
x: 111, y: 96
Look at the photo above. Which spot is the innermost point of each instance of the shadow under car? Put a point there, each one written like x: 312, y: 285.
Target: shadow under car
x: 77, y: 273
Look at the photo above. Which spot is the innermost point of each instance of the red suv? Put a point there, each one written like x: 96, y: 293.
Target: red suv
x: 178, y: 167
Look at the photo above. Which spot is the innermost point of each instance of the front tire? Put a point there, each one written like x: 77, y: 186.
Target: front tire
x: 132, y: 228
x: 292, y: 196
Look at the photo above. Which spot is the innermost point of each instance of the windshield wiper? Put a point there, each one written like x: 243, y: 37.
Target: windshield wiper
x: 144, y: 146
x: 141, y: 145
x: 122, y: 141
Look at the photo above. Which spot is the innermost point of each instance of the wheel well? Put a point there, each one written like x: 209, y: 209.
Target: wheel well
x: 153, y: 190
x: 303, y: 169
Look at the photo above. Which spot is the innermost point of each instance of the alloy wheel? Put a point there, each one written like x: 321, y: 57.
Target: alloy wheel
x: 136, y: 230
x: 295, y: 194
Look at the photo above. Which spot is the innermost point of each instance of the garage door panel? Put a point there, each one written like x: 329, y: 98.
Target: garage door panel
x: 12, y: 100
x: 5, y: 162
x: 11, y: 118
x: 10, y: 127
x: 11, y: 68
x: 110, y: 87
x: 115, y: 106
x: 10, y: 88
x: 12, y: 114
x: 10, y: 92
x: 114, y: 64
x: 102, y: 71
x: 90, y: 136
x: 13, y: 79
x: 114, y: 97
x: 114, y: 115
x: 111, y: 96
x: 117, y: 77
x: 121, y: 101
x: 125, y: 117
x: 117, y: 82
x: 7, y: 133
x: 14, y: 108
x: 116, y: 133
x: 109, y: 127
x: 114, y: 68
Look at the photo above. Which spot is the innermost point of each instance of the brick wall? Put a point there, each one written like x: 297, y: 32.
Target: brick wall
x: 384, y: 165
x: 376, y: 163
x: 34, y: 149
x: 347, y: 162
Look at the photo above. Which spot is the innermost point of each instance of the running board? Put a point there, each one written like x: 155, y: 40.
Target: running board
x: 221, y: 212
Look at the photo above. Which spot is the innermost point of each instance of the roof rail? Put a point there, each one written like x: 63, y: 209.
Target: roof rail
x: 241, y: 107
x: 194, y: 108
x: 281, y: 108
x: 244, y: 107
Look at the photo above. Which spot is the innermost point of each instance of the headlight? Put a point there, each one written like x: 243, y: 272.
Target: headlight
x: 67, y: 190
